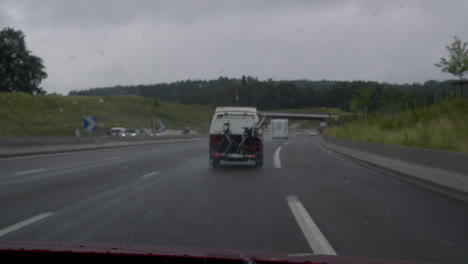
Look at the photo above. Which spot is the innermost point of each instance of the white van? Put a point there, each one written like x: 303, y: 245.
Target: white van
x: 229, y: 140
x: 279, y: 128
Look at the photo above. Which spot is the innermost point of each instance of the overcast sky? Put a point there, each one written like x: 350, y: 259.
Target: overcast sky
x: 92, y: 43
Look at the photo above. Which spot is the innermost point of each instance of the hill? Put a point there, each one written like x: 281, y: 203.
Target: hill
x: 278, y: 94
x: 441, y: 126
x: 52, y: 115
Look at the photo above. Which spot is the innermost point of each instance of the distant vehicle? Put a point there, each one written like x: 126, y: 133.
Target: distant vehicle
x: 115, y: 131
x: 313, y: 133
x: 187, y: 131
x: 279, y: 128
x: 158, y: 133
x: 322, y: 126
x: 236, y: 135
x: 131, y: 132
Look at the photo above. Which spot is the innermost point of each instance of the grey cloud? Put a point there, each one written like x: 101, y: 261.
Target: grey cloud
x: 110, y: 12
x: 98, y: 43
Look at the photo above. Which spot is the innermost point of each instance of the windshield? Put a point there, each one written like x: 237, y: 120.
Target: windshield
x: 335, y: 128
x: 234, y: 121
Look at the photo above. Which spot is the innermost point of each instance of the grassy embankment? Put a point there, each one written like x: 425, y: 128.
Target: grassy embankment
x: 49, y: 115
x: 442, y: 126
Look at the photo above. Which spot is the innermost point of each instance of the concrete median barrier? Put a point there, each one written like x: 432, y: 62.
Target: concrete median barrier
x: 442, y: 171
x: 11, y: 147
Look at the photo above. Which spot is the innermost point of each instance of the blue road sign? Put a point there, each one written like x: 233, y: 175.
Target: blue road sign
x: 89, y: 123
x: 161, y: 126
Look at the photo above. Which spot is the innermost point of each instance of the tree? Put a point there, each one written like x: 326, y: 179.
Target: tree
x: 363, y: 100
x: 20, y: 71
x: 457, y: 63
x: 244, y: 81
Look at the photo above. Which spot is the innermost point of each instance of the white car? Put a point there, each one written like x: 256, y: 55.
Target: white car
x: 131, y: 132
x: 116, y: 131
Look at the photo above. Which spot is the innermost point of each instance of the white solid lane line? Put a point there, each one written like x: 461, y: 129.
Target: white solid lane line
x: 276, y: 159
x: 150, y: 174
x: 60, y: 154
x: 331, y: 153
x: 28, y: 172
x: 24, y: 223
x: 317, y: 241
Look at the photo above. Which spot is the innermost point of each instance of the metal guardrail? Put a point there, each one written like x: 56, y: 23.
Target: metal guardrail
x: 12, y: 147
x: 47, y: 141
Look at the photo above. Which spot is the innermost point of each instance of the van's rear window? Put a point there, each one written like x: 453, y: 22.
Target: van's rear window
x: 230, y: 116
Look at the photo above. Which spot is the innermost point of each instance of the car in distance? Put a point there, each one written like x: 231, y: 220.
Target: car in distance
x: 187, y: 131
x: 236, y: 135
x: 131, y: 132
x: 115, y: 131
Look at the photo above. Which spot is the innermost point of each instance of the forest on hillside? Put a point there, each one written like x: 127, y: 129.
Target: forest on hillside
x: 271, y: 94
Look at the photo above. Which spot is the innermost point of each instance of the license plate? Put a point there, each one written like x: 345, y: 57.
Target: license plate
x: 235, y: 155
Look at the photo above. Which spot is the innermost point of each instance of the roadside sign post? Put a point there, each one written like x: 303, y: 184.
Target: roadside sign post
x: 89, y: 124
x: 153, y: 125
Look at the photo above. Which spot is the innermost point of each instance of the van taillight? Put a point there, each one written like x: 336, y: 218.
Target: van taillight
x: 257, y: 145
x: 214, y: 141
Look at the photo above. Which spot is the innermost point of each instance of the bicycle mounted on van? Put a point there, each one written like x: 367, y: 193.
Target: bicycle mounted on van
x: 234, y: 147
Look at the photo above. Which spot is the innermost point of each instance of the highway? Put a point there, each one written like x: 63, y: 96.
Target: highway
x: 306, y: 199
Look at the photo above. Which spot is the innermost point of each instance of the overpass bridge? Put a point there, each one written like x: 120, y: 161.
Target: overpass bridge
x: 299, y: 116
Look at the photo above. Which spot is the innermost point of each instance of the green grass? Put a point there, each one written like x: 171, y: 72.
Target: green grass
x: 305, y: 124
x: 50, y: 115
x: 442, y: 126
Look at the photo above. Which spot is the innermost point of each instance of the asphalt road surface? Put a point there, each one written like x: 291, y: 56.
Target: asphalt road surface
x: 305, y: 199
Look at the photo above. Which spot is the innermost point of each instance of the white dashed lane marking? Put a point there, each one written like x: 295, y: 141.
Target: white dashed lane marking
x: 276, y: 158
x: 150, y: 174
x: 317, y: 241
x: 24, y: 223
x: 29, y: 172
